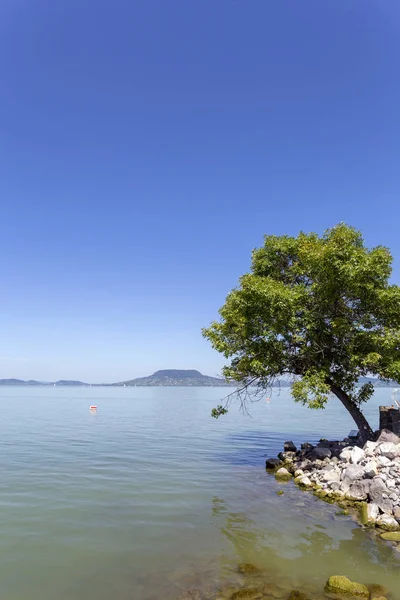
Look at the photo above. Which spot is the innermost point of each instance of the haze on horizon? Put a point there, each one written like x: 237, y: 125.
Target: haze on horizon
x: 146, y: 149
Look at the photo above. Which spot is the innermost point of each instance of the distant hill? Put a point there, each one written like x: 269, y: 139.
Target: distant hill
x: 177, y: 377
x: 62, y: 382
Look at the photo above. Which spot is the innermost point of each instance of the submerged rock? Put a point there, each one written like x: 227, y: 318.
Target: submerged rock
x: 272, y: 463
x: 387, y: 522
x: 339, y: 586
x: 248, y: 569
x: 247, y: 594
x: 377, y: 590
x: 296, y: 595
x: 391, y: 536
x: 283, y: 474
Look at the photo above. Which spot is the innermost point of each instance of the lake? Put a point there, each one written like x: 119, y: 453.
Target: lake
x: 150, y: 496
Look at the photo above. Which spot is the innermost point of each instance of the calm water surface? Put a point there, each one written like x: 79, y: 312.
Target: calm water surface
x: 150, y: 496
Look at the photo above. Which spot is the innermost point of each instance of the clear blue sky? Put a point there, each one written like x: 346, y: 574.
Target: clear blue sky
x: 147, y: 146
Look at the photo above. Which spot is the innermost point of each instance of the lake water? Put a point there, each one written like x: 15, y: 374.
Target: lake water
x: 151, y: 496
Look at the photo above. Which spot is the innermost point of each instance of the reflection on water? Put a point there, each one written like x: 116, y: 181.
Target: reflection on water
x: 152, y: 497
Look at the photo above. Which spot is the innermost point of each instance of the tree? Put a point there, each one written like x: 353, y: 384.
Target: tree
x: 317, y: 309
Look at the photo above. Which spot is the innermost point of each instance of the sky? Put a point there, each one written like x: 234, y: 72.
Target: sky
x: 146, y: 147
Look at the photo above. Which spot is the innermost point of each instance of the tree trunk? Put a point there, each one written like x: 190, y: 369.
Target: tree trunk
x: 364, y: 427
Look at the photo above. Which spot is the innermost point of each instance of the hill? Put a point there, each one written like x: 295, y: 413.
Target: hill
x: 177, y: 377
x: 62, y: 382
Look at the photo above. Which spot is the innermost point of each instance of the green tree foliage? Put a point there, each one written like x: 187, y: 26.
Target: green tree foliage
x: 318, y: 308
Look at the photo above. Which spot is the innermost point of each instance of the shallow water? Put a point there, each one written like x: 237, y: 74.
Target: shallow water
x: 150, y: 496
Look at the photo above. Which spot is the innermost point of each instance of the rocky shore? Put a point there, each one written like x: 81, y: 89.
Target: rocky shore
x: 253, y: 583
x: 365, y: 478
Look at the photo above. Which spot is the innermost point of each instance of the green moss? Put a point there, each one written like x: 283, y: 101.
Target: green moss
x: 280, y: 493
x: 391, y: 536
x: 338, y: 585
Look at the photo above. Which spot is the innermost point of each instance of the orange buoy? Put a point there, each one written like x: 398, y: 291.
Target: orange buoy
x: 93, y: 407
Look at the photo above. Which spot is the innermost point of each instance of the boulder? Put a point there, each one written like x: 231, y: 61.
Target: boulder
x: 321, y: 453
x: 305, y: 481
x: 308, y: 447
x: 389, y: 450
x: 345, y: 454
x: 357, y: 454
x: 272, y: 463
x: 351, y: 474
x: 396, y: 513
x: 331, y: 475
x: 289, y: 447
x: 371, y: 469
x: 283, y: 474
x: 339, y: 586
x: 387, y: 522
x: 370, y: 448
x: 358, y: 491
x: 388, y: 436
x: 378, y: 494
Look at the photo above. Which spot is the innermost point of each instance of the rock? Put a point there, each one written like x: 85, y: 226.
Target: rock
x: 357, y: 454
x: 247, y: 594
x: 396, y: 513
x: 378, y: 494
x: 371, y: 469
x: 369, y: 514
x: 298, y: 473
x: 272, y: 463
x: 289, y: 447
x: 248, y: 569
x: 308, y: 447
x: 391, y: 536
x: 283, y: 474
x: 370, y: 448
x: 389, y: 450
x: 321, y: 453
x: 358, y: 491
x: 296, y: 595
x: 388, y: 436
x: 387, y: 522
x: 377, y: 590
x: 331, y: 475
x: 345, y: 454
x: 305, y: 481
x: 339, y: 586
x: 383, y: 461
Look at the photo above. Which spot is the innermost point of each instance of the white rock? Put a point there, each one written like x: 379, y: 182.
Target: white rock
x: 389, y: 450
x: 371, y: 469
x: 331, y: 476
x: 383, y: 461
x: 345, y: 454
x: 305, y: 481
x: 387, y: 521
x: 357, y: 455
x: 298, y: 473
x: 370, y: 448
